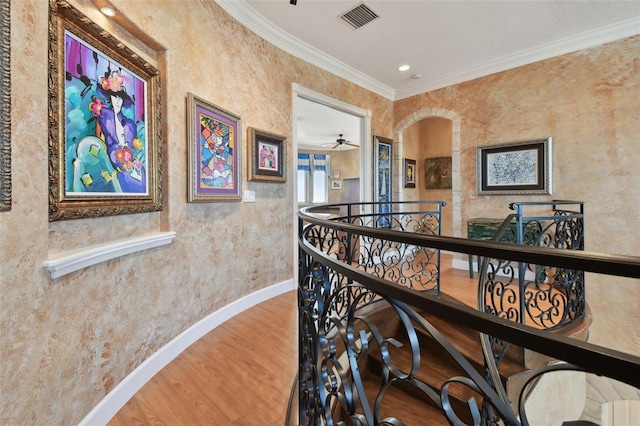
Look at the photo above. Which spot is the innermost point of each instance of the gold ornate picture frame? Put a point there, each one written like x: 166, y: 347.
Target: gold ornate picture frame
x: 5, y: 106
x: 104, y: 122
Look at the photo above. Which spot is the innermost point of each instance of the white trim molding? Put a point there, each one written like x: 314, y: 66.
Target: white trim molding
x: 65, y: 262
x: 127, y: 388
x: 247, y: 16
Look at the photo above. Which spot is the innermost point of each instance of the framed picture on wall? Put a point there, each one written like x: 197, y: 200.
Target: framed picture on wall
x: 382, y: 180
x: 214, y: 152
x: 104, y: 120
x: 267, y: 157
x: 515, y: 168
x: 437, y: 173
x: 409, y: 173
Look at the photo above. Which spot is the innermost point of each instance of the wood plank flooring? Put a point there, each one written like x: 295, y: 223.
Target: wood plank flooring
x: 238, y: 374
x: 241, y: 373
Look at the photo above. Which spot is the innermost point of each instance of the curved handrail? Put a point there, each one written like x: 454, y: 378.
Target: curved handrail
x: 316, y: 286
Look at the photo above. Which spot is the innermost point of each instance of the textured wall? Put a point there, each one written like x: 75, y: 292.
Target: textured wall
x: 589, y: 103
x: 69, y: 341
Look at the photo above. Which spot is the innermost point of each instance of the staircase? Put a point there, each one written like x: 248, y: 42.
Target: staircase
x: 436, y: 368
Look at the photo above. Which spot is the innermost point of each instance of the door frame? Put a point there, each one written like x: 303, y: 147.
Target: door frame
x: 366, y: 152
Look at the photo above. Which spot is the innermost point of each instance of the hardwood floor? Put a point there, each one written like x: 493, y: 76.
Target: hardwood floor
x: 241, y: 373
x: 238, y: 374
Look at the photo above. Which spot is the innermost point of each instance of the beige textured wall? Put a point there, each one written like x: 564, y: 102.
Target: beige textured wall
x: 435, y: 141
x: 69, y: 341
x: 589, y: 103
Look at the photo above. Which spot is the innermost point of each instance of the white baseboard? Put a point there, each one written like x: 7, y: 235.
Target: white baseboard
x: 127, y: 388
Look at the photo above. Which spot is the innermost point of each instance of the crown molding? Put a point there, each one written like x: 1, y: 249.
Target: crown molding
x: 618, y: 31
x: 247, y: 16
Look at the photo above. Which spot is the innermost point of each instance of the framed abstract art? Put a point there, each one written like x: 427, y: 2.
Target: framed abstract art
x: 104, y: 122
x: 214, y: 152
x: 515, y: 168
x: 267, y: 156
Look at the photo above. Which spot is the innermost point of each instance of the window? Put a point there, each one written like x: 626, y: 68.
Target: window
x: 313, y: 187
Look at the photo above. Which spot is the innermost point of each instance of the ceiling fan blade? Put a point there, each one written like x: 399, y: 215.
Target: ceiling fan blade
x: 336, y: 145
x: 352, y: 144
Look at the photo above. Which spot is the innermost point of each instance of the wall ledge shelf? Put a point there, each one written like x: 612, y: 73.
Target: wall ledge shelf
x: 63, y: 263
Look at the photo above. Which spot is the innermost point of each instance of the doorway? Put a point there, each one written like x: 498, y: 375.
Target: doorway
x: 344, y: 184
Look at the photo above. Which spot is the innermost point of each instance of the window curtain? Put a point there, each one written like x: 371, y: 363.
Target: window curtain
x: 304, y: 162
x: 307, y: 162
x: 319, y: 162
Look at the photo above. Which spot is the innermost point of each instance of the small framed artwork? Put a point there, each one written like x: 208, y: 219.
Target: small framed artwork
x: 104, y: 122
x: 409, y: 173
x: 267, y: 156
x: 336, y: 174
x: 515, y: 168
x: 5, y: 106
x: 437, y: 173
x: 214, y: 152
x: 336, y: 184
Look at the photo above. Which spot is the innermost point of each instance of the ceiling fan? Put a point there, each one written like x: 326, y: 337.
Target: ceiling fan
x: 341, y: 141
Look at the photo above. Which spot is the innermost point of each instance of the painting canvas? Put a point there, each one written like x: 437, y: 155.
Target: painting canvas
x: 104, y: 144
x: 437, y: 173
x: 214, y: 152
x: 383, y: 180
x: 409, y: 173
x: 267, y: 156
x: 515, y: 168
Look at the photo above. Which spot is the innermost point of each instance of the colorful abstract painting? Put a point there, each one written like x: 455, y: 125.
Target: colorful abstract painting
x: 214, y: 141
x: 105, y: 133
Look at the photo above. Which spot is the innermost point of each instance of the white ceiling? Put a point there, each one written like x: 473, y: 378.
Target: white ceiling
x: 444, y: 41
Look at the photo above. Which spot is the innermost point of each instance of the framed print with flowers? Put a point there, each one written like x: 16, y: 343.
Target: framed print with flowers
x: 214, y: 152
x: 104, y: 132
x: 267, y: 157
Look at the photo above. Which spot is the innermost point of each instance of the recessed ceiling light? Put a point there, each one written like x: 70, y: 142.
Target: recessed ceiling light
x: 108, y: 11
x: 416, y: 76
x: 404, y: 67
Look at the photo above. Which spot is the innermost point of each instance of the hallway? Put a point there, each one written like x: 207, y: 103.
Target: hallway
x: 241, y: 372
x: 238, y: 374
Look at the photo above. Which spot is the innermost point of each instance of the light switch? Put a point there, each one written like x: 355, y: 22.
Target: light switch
x: 249, y: 196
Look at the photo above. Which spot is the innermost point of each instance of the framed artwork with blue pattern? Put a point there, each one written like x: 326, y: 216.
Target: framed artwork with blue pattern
x: 515, y: 168
x: 383, y: 180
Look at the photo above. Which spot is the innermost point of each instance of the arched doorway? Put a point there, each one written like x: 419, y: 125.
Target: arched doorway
x: 405, y: 123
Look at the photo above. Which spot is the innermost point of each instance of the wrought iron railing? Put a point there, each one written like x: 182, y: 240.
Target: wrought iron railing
x: 405, y: 264
x: 544, y: 296
x: 339, y: 304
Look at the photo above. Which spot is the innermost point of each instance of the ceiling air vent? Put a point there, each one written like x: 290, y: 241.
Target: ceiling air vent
x: 359, y: 16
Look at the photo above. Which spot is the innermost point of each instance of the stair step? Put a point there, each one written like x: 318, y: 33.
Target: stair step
x: 410, y: 406
x: 436, y: 364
